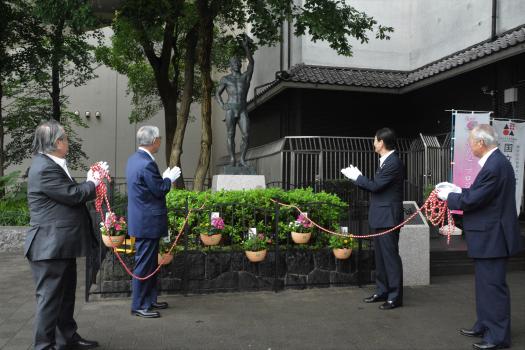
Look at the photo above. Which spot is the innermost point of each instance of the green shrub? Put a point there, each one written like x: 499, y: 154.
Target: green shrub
x: 253, y: 208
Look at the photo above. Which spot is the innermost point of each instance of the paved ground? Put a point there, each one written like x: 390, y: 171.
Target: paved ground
x: 331, y: 318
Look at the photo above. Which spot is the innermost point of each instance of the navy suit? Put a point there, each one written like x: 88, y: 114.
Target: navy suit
x: 491, y: 228
x: 385, y: 212
x: 147, y: 222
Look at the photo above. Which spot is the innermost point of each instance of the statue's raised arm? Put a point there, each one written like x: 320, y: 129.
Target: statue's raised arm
x: 249, y: 70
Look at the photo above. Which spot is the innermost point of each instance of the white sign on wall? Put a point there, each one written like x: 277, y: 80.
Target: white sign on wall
x: 511, y: 136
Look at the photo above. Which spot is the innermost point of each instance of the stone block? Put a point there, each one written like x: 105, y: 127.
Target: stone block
x: 324, y: 259
x: 414, y: 249
x: 319, y: 278
x: 237, y: 182
x: 299, y: 262
x: 295, y: 281
x: 12, y: 238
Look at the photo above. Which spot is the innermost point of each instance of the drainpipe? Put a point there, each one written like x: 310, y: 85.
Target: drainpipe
x: 281, y: 47
x: 494, y: 18
x: 289, y: 44
x: 493, y: 37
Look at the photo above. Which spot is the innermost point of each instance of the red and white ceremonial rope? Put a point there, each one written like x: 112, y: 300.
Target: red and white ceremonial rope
x: 102, y: 197
x: 435, y: 210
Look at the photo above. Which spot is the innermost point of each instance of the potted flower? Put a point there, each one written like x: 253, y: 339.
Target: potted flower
x: 211, y: 234
x: 113, y: 230
x: 165, y: 256
x: 301, y: 229
x: 255, y: 247
x: 341, y: 246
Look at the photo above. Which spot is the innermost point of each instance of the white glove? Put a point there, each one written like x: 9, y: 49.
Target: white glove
x: 166, y: 173
x: 346, y: 172
x: 443, y: 194
x: 448, y: 186
x: 175, y: 173
x: 351, y: 172
x: 355, y: 172
x: 93, y: 176
x: 104, y: 165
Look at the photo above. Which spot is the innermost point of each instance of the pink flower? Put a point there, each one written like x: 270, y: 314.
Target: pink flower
x: 218, y: 223
x: 118, y: 227
x: 304, y: 221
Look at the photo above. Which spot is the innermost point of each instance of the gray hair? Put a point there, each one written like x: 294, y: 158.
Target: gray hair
x: 485, y: 133
x: 46, y: 136
x: 147, y: 135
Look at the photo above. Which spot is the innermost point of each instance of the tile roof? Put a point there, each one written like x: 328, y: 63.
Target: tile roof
x: 373, y: 78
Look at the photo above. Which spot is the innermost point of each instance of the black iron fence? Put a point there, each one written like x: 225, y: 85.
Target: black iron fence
x: 200, y: 269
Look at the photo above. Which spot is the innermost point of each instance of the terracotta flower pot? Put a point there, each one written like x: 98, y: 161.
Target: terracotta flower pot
x: 300, y: 237
x: 255, y: 256
x: 211, y: 240
x: 113, y: 241
x: 165, y: 259
x: 342, y: 253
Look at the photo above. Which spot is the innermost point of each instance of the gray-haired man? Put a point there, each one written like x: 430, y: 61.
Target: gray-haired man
x: 60, y: 230
x: 147, y: 218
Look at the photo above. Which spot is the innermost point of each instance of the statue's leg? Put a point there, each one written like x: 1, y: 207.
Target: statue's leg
x: 230, y: 138
x: 244, y: 126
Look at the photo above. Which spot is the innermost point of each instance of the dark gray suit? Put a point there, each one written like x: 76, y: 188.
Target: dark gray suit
x: 60, y: 230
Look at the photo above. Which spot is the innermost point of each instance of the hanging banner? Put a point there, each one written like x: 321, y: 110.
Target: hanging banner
x: 511, y: 137
x: 465, y: 165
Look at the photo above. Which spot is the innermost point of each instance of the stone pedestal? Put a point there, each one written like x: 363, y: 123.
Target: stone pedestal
x: 414, y: 248
x: 237, y: 182
x: 237, y: 170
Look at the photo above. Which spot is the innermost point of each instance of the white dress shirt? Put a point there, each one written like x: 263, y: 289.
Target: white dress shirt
x: 148, y: 152
x: 483, y: 159
x: 384, y: 157
x: 61, y: 162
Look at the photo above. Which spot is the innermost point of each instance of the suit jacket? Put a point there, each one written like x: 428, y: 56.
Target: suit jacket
x: 386, y: 193
x: 147, y: 212
x: 489, y: 210
x: 60, y: 225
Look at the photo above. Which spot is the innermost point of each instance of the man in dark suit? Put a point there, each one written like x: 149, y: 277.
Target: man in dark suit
x: 492, y: 232
x: 147, y: 218
x: 385, y: 212
x: 60, y: 230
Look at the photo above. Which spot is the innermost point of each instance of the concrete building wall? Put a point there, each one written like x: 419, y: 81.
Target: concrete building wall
x: 376, y: 54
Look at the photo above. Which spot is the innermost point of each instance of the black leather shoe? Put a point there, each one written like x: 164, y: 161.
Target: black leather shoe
x: 159, y: 305
x: 79, y: 344
x: 389, y: 305
x: 470, y: 333
x: 146, y: 313
x: 488, y: 346
x: 374, y: 299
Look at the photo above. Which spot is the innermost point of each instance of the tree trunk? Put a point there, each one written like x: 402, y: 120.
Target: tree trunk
x: 206, y: 37
x: 2, y: 132
x: 170, y: 125
x: 185, y: 104
x: 58, y: 42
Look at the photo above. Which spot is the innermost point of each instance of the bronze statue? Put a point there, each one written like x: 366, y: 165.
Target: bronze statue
x: 236, y: 85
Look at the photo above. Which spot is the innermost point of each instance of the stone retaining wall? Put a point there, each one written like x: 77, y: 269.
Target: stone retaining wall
x: 231, y: 271
x: 12, y: 238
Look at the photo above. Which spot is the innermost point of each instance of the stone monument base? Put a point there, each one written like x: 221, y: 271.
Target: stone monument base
x: 237, y: 182
x: 237, y: 170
